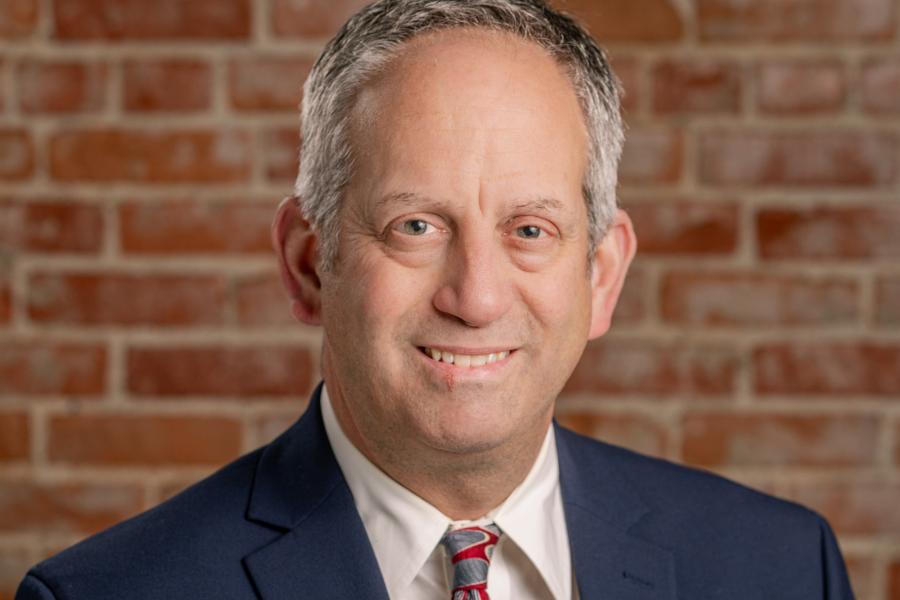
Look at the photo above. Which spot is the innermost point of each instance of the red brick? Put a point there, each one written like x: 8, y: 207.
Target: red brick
x: 18, y: 17
x: 14, y: 563
x: 60, y: 86
x: 651, y: 156
x: 126, y: 299
x: 696, y: 87
x: 272, y: 83
x: 281, y: 153
x: 618, y: 366
x: 801, y: 87
x: 15, y: 436
x: 39, y: 226
x: 757, y: 299
x: 864, y: 506
x: 166, y: 85
x: 222, y: 371
x: 828, y: 368
x: 897, y: 443
x: 859, y: 232
x: 64, y: 507
x: 628, y: 70
x: 148, y: 440
x: 45, y: 367
x: 637, y: 432
x: 151, y: 156
x: 893, y: 585
x: 799, y: 20
x: 185, y: 227
x: 263, y: 301
x: 615, y: 21
x: 311, y: 18
x: 159, y: 20
x: 756, y: 440
x: 632, y: 306
x: 6, y: 299
x: 677, y: 227
x: 16, y: 154
x: 881, y: 85
x: 802, y: 158
x: 887, y: 301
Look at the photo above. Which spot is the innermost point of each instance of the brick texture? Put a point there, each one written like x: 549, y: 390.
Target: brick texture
x: 166, y: 85
x: 141, y: 440
x: 15, y: 436
x: 828, y: 368
x: 61, y: 86
x: 801, y: 20
x: 189, y: 227
x: 64, y: 508
x: 757, y: 299
x: 858, y: 232
x: 150, y: 156
x: 799, y: 88
x: 267, y: 83
x: 146, y: 338
x: 804, y: 158
x: 125, y: 299
x: 16, y: 154
x: 622, y: 367
x: 717, y: 440
x: 702, y: 87
x: 161, y: 20
x: 250, y: 371
x: 31, y: 367
x: 37, y: 226
x: 18, y: 18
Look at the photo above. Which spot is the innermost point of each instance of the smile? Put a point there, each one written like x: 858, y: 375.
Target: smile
x: 465, y: 360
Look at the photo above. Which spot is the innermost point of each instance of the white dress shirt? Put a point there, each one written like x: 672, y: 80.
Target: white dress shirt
x: 531, y: 561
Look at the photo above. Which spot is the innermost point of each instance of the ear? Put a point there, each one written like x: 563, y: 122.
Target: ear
x: 610, y: 264
x: 296, y: 245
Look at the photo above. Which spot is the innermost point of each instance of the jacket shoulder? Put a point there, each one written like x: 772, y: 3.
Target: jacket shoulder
x: 727, y: 540
x: 185, y: 547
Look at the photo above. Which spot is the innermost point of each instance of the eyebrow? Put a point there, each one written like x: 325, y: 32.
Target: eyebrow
x: 409, y: 198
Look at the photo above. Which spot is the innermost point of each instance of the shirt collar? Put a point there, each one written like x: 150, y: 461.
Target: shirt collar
x: 395, y: 517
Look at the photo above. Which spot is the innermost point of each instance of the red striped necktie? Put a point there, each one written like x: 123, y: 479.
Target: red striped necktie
x: 470, y: 550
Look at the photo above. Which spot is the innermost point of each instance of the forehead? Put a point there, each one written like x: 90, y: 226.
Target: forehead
x: 464, y: 100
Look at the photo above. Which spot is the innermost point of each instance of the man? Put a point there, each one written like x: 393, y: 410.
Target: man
x: 456, y: 235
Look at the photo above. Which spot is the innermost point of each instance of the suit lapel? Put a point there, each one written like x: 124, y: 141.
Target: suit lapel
x: 324, y: 551
x: 601, y: 507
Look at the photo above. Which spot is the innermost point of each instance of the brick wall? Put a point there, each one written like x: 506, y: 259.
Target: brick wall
x: 144, y: 338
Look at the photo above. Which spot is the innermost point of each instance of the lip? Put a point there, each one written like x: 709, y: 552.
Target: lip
x: 471, y: 351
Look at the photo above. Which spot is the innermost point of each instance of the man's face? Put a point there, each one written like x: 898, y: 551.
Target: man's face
x: 460, y: 301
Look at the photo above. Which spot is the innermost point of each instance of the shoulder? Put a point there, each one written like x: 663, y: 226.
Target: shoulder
x: 722, y: 535
x: 176, y: 550
x: 665, y: 486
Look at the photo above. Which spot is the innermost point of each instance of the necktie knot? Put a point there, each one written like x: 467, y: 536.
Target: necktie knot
x: 470, y: 550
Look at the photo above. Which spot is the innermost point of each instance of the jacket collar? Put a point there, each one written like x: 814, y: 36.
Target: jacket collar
x: 602, y: 508
x: 324, y: 551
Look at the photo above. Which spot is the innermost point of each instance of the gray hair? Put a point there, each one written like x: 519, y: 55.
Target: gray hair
x: 371, y: 38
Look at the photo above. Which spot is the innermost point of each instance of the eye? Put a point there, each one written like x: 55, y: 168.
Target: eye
x: 416, y: 227
x: 529, y: 232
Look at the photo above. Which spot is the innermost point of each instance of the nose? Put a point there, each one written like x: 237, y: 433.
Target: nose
x: 476, y: 287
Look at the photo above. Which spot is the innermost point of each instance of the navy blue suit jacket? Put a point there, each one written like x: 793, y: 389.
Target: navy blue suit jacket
x: 280, y: 522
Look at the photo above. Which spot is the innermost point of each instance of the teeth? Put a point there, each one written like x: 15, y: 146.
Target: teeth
x: 466, y: 360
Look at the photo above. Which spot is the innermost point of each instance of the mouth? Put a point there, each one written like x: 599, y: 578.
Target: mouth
x: 466, y: 360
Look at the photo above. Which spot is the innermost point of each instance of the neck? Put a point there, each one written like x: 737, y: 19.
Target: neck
x: 462, y: 486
